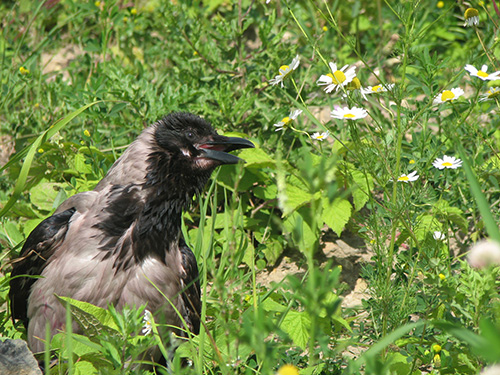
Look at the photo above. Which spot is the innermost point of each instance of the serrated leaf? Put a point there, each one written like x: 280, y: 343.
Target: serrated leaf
x: 256, y: 158
x: 44, y: 194
x: 298, y: 326
x: 303, y: 235
x: 77, y: 163
x: 93, y: 320
x: 360, y: 193
x: 336, y: 214
x: 272, y: 250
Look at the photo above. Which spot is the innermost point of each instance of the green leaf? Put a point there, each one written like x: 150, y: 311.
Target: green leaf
x: 30, y: 152
x: 77, y: 163
x: 482, y: 203
x: 92, y: 319
x: 336, y: 214
x: 10, y: 231
x: 303, y: 235
x: 256, y: 158
x: 44, y: 194
x: 272, y: 250
x: 298, y: 325
x: 361, y: 192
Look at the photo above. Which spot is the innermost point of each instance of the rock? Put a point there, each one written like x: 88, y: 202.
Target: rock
x: 17, y: 359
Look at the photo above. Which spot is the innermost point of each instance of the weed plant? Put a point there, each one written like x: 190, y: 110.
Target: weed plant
x: 374, y: 118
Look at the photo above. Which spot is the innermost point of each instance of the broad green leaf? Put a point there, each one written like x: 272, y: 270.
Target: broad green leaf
x: 298, y: 326
x: 361, y: 193
x: 77, y: 163
x: 303, y: 235
x: 10, y: 231
x: 272, y: 250
x: 92, y: 319
x: 44, y: 194
x: 336, y: 214
x: 29, y: 225
x: 256, y: 158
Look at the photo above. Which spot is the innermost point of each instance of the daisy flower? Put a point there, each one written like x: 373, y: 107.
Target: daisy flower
x: 438, y: 236
x: 284, y: 71
x: 413, y: 176
x: 377, y: 89
x: 471, y: 17
x: 148, y: 323
x: 448, y: 95
x: 494, y: 92
x: 320, y: 136
x: 482, y: 73
x: 345, y: 113
x: 447, y: 162
x: 288, y: 119
x: 337, y: 78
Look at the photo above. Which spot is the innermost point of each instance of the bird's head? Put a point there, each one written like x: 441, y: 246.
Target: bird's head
x: 188, y: 148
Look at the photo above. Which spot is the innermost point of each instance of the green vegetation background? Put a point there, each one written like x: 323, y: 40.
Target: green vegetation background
x: 81, y: 79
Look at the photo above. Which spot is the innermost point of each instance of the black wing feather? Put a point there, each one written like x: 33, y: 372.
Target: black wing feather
x: 38, y: 248
x: 191, y: 294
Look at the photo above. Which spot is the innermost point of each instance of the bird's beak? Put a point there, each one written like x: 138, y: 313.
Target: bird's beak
x: 218, y: 147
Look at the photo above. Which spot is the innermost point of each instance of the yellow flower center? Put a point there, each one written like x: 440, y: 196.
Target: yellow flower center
x: 446, y: 164
x: 440, y: 4
x: 403, y: 178
x: 349, y: 115
x: 471, y: 12
x: 337, y: 77
x: 355, y: 84
x: 286, y: 120
x: 447, y: 95
x: 480, y: 73
x: 442, y: 277
x: 412, y: 161
x: 376, y: 88
x: 283, y: 68
x: 493, y: 93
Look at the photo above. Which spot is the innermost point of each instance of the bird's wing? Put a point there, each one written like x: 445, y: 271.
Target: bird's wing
x: 40, y: 245
x: 191, y: 284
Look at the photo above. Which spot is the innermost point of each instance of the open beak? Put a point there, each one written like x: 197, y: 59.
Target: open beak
x: 218, y: 147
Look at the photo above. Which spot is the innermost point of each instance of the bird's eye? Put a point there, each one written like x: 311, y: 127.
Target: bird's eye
x: 190, y: 135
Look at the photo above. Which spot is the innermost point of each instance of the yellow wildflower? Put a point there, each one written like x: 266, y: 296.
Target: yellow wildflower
x: 288, y: 370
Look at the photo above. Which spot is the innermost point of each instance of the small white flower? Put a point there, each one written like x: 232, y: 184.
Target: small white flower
x: 288, y: 119
x: 471, y: 17
x: 346, y: 113
x: 447, y: 162
x: 492, y: 93
x: 484, y: 253
x: 377, y: 89
x: 448, y: 95
x: 337, y: 78
x: 482, y: 73
x: 148, y: 322
x: 320, y: 136
x: 438, y: 236
x: 284, y: 71
x: 413, y: 176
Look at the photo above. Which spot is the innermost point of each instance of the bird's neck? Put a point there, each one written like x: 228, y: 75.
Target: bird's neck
x: 158, y: 227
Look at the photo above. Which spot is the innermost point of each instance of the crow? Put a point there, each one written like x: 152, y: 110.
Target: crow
x: 111, y: 244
